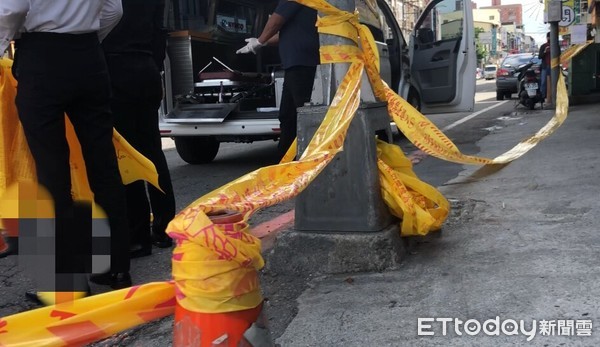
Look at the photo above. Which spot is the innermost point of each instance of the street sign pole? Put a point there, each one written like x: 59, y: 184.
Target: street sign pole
x: 555, y: 15
x: 555, y: 54
x: 494, y: 41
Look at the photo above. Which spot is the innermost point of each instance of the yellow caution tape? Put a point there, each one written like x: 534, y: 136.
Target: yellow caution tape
x: 416, y: 127
x: 90, y: 319
x: 421, y: 207
x: 221, y: 274
x: 573, y: 51
x: 346, y: 29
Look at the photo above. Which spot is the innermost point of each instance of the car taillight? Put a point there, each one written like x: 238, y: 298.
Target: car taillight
x: 502, y: 73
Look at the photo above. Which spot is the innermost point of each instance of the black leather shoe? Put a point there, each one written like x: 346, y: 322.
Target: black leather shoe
x: 161, y: 240
x: 31, y: 295
x: 140, y: 251
x: 116, y: 280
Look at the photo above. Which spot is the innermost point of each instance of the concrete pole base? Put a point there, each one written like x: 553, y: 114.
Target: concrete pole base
x: 302, y: 253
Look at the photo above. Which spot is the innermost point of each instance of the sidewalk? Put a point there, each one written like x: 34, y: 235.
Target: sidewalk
x: 522, y: 244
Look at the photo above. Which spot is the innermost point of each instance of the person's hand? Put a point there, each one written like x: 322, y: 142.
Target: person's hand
x: 547, y: 49
x: 253, y: 46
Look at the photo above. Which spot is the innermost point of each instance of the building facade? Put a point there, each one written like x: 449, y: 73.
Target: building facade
x: 487, y: 24
x: 509, y: 13
x: 406, y: 12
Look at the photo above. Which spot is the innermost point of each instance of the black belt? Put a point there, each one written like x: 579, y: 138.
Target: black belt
x: 50, y: 39
x: 128, y: 53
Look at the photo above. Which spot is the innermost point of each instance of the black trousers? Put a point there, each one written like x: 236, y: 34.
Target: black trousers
x: 297, y: 89
x: 137, y: 92
x: 65, y: 73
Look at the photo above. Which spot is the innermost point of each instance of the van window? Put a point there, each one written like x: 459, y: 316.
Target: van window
x: 444, y: 22
x: 490, y: 68
x: 235, y: 17
x: 187, y: 15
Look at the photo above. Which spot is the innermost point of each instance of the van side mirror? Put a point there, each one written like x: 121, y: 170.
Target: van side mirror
x: 425, y: 36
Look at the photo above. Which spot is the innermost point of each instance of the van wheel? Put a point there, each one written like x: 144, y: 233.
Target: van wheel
x: 499, y: 95
x: 197, y: 150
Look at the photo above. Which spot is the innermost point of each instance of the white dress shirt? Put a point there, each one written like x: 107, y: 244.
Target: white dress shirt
x: 58, y: 16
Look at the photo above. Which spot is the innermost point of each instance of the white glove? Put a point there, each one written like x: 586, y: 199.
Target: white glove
x: 253, y: 46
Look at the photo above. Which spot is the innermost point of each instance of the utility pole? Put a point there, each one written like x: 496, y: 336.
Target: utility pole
x: 333, y: 74
x: 554, y: 16
x: 327, y: 204
x: 337, y: 229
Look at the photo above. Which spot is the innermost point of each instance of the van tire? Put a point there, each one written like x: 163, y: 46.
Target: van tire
x: 499, y: 95
x: 197, y: 149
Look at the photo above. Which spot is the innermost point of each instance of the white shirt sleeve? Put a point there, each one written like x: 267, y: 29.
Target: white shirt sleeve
x: 110, y: 14
x: 12, y: 17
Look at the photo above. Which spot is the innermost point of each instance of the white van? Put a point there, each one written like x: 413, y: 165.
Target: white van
x: 434, y: 69
x: 489, y: 72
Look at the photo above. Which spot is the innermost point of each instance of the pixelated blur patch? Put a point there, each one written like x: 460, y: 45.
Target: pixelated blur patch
x: 26, y: 199
x: 50, y: 247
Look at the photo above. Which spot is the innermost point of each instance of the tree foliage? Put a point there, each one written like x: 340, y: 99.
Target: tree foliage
x: 480, y: 49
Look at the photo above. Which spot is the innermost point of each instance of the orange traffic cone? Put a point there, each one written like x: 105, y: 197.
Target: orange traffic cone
x: 196, y: 329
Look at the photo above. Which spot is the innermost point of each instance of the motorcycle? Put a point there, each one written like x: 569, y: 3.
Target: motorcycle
x: 529, y: 86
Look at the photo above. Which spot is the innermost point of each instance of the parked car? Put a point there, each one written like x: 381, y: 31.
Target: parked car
x: 506, y: 76
x: 489, y: 72
x: 213, y: 95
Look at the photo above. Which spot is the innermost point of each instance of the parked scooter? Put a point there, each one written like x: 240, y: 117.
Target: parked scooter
x: 529, y: 86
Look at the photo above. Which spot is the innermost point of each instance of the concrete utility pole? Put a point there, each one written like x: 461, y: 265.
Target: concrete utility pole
x: 329, y: 204
x: 341, y: 221
x: 554, y: 16
x: 333, y: 74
